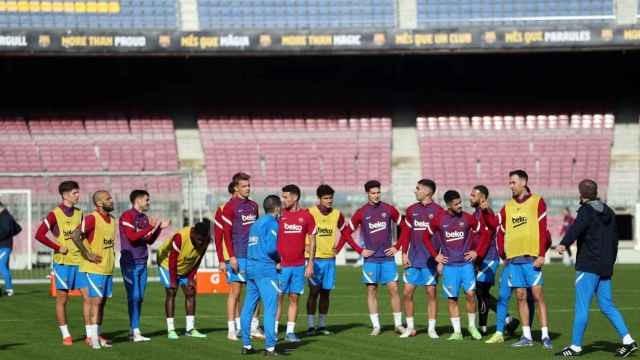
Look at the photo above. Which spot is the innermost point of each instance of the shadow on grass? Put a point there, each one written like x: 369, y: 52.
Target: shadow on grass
x: 538, y: 335
x: 211, y: 330
x: 10, y: 346
x: 443, y: 329
x: 22, y: 293
x: 122, y: 336
x: 337, y: 329
x: 603, y: 346
x: 287, y: 347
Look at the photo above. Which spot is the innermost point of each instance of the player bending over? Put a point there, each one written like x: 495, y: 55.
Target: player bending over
x: 179, y: 258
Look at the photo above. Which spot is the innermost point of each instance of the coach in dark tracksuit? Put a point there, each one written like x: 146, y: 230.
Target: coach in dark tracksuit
x: 595, y: 231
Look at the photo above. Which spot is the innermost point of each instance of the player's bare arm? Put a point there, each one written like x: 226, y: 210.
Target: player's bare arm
x: 308, y: 271
x: 77, y: 237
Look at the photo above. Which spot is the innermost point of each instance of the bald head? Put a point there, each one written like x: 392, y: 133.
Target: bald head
x: 103, y: 201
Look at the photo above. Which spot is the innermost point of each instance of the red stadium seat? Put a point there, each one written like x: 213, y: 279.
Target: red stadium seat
x: 323, y: 151
x: 552, y: 165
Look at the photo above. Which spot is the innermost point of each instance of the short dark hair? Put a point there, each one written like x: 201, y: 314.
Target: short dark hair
x: 451, y: 195
x: 137, y: 194
x: 371, y: 184
x: 231, y: 188
x: 292, y: 189
x: 428, y: 183
x: 203, y: 228
x: 521, y: 174
x: 483, y: 189
x: 67, y: 186
x: 588, y: 189
x: 324, y: 190
x: 235, y: 180
x: 271, y: 203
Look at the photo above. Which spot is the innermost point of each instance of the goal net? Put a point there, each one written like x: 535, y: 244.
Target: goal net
x: 171, y: 198
x: 18, y: 203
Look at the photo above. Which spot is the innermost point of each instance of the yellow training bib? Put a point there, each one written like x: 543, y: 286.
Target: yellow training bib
x: 522, y: 237
x: 104, y: 236
x: 188, y: 255
x: 66, y: 225
x: 327, y: 234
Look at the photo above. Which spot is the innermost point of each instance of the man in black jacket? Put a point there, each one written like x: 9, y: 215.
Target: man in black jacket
x: 595, y: 232
x: 8, y: 229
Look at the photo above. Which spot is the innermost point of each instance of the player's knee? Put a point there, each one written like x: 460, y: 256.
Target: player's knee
x: 135, y: 298
x: 314, y: 291
x: 605, y: 305
x: 581, y: 317
x: 521, y: 295
x: 393, y: 292
x: 538, y: 296
x: 189, y: 291
x: 62, y: 296
x: 471, y: 296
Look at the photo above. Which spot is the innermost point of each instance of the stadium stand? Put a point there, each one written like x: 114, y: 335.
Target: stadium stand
x: 101, y: 14
x: 19, y: 153
x: 91, y: 145
x: 556, y: 150
x: 433, y: 13
x: 296, y: 14
x: 279, y: 151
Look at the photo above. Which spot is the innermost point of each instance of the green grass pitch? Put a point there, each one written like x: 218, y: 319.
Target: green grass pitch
x: 28, y: 328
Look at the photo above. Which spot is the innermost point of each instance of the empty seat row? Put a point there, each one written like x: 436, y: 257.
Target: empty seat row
x: 343, y: 152
x: 556, y: 156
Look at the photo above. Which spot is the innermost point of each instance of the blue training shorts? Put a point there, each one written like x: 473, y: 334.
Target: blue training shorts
x: 291, y: 279
x: 524, y: 276
x: 99, y: 285
x: 487, y: 271
x: 165, y: 278
x: 241, y: 275
x: 425, y: 276
x: 454, y: 277
x: 324, y: 274
x: 68, y: 277
x: 379, y: 273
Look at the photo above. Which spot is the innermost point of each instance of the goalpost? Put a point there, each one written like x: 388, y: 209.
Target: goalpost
x: 18, y: 202
x: 172, y: 194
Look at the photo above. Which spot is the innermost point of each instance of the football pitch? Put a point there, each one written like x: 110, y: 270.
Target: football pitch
x: 28, y: 328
